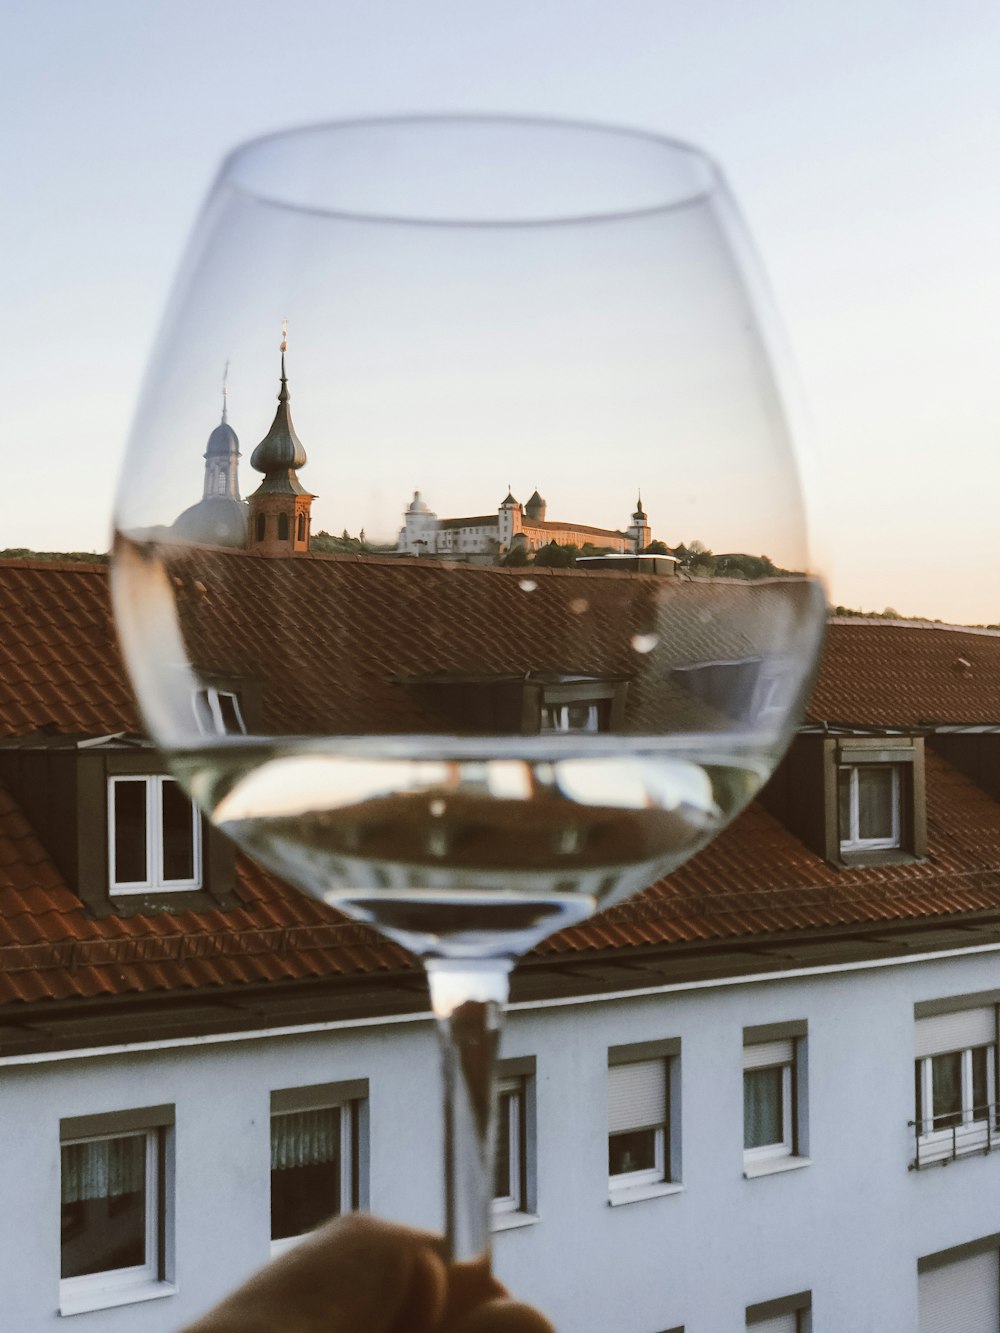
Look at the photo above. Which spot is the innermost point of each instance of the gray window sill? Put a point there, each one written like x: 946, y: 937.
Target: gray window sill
x: 512, y: 1221
x: 636, y: 1193
x: 81, y: 1302
x: 773, y: 1166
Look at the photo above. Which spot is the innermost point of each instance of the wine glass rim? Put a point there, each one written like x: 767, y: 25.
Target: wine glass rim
x: 231, y: 175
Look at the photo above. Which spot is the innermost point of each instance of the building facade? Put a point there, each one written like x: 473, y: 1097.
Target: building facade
x: 762, y: 1094
x: 513, y: 525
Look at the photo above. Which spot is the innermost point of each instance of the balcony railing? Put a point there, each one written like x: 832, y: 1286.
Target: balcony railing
x: 943, y: 1138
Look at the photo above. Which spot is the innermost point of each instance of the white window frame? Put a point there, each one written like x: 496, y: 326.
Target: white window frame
x: 972, y: 1133
x: 348, y: 1163
x: 556, y: 717
x: 208, y: 697
x: 659, y: 1172
x: 122, y: 1286
x: 774, y: 1055
x: 513, y: 1201
x: 154, y: 881
x: 850, y: 839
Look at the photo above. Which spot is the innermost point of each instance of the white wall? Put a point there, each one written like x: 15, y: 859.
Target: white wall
x: 849, y: 1227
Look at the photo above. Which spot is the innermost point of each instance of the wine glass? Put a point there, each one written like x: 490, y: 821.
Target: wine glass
x: 378, y: 658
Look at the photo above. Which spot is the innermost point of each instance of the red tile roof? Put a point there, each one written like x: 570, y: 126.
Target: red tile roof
x: 885, y: 674
x: 60, y: 672
x: 757, y: 878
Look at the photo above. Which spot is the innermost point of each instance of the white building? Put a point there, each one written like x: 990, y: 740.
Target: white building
x: 708, y: 1094
x: 423, y: 533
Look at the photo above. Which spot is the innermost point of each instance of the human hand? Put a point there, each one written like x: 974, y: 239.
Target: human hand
x: 359, y: 1274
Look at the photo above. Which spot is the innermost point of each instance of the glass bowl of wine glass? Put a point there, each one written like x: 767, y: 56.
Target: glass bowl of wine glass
x: 516, y: 611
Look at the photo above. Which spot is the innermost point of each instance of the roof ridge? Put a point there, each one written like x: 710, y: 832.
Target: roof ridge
x: 96, y: 566
x: 914, y: 624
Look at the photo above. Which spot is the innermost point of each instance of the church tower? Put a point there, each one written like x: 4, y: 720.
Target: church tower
x: 638, y: 531
x: 222, y: 455
x: 279, y: 516
x: 220, y: 516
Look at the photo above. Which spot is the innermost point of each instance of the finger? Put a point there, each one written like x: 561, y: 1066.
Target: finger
x: 469, y: 1285
x: 355, y: 1275
x: 503, y: 1316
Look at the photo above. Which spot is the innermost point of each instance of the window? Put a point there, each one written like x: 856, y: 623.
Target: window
x: 113, y: 1208
x: 508, y: 1174
x: 959, y: 1290
x: 282, y: 527
x: 316, y: 1159
x: 514, y: 1183
x: 854, y: 799
x: 301, y: 527
x: 154, y: 836
x: 788, y: 1314
x: 772, y: 1098
x: 869, y: 809
x: 955, y: 1080
x: 261, y: 526
x: 581, y: 705
x: 218, y: 712
x: 876, y: 803
x: 571, y: 717
x: 643, y: 1152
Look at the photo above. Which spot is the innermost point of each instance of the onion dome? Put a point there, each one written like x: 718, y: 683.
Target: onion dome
x: 223, y: 441
x: 535, y: 508
x: 639, y: 511
x: 280, y: 452
x: 418, y: 505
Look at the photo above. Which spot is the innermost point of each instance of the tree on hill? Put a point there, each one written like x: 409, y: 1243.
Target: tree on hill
x: 555, y: 556
x: 71, y: 557
x: 327, y: 544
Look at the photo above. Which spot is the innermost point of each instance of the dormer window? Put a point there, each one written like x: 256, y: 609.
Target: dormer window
x: 579, y: 706
x: 218, y: 712
x: 875, y: 799
x: 855, y: 797
x: 154, y: 840
x: 869, y: 806
x: 582, y: 716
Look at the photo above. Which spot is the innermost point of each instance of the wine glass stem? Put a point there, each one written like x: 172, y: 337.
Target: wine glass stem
x: 468, y: 1000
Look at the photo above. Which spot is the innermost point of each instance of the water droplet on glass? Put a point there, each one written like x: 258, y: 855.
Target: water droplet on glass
x: 527, y: 585
x: 578, y: 605
x: 645, y: 643
x: 437, y: 809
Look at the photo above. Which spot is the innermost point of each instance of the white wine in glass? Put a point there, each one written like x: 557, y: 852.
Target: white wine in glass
x: 518, y: 611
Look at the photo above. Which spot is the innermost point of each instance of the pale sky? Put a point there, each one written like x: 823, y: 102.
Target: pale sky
x: 861, y: 139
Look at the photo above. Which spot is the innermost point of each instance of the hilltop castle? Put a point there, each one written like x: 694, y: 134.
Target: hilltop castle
x: 513, y: 525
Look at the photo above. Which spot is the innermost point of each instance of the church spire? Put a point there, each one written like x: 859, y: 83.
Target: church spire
x: 279, y: 507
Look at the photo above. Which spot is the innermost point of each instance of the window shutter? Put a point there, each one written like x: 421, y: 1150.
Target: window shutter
x: 765, y: 1053
x: 961, y: 1297
x: 782, y: 1323
x: 954, y: 1032
x: 637, y: 1096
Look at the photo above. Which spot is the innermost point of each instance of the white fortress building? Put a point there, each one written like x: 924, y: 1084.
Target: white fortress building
x: 513, y: 524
